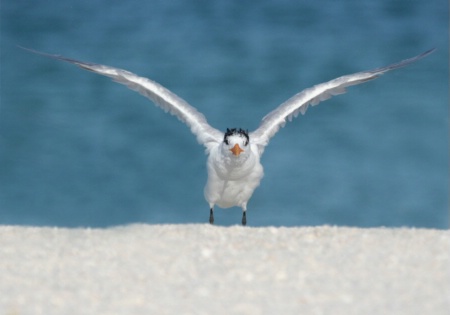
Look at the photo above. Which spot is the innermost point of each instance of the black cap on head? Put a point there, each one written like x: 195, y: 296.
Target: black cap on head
x: 235, y: 131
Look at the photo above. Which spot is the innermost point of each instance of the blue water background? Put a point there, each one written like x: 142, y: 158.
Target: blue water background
x: 79, y: 150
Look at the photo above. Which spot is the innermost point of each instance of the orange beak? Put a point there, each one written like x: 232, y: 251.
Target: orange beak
x: 236, y: 149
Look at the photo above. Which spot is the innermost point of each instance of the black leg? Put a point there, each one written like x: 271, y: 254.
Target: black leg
x: 244, y: 218
x: 211, y: 216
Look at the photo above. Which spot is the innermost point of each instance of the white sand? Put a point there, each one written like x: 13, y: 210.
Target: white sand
x: 202, y: 269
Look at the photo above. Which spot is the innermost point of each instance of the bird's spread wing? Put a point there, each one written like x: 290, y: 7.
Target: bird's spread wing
x: 299, y: 103
x: 161, y: 96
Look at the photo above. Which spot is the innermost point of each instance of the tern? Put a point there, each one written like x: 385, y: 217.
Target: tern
x: 233, y: 162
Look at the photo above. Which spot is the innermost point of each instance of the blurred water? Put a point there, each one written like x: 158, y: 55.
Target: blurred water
x: 79, y: 150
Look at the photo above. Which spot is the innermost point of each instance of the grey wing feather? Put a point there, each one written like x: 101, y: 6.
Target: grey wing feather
x: 299, y: 103
x: 161, y: 96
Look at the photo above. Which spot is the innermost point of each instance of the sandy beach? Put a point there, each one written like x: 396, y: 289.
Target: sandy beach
x: 203, y: 269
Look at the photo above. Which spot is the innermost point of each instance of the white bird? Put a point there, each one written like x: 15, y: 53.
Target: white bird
x: 234, y: 168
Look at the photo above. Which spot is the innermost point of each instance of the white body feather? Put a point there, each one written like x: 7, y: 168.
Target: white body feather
x: 232, y: 180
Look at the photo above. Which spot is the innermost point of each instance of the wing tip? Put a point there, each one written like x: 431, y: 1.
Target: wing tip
x: 81, y: 64
x: 426, y: 53
x: 403, y: 63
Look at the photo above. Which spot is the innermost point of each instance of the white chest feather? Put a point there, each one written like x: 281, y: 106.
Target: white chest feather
x: 232, y: 180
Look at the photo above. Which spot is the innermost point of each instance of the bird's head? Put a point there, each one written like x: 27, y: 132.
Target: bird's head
x: 235, y: 142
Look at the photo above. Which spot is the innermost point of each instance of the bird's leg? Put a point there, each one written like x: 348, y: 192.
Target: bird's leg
x: 211, y: 216
x: 244, y: 218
